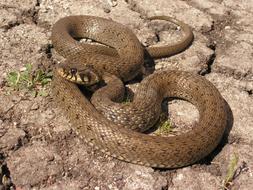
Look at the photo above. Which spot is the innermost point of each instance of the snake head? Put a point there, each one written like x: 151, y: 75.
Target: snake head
x: 80, y: 74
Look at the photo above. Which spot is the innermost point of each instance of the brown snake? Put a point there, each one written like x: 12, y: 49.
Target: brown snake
x: 124, y: 60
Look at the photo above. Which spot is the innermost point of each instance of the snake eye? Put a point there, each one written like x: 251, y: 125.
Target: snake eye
x: 73, y: 71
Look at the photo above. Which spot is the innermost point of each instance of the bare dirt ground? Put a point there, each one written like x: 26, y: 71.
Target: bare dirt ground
x: 38, y: 150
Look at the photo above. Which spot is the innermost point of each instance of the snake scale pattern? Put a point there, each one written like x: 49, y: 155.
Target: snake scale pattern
x: 122, y: 59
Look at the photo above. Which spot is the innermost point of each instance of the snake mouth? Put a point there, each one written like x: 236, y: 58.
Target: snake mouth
x: 86, y: 76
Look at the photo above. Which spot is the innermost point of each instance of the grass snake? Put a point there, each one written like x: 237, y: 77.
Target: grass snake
x: 105, y: 124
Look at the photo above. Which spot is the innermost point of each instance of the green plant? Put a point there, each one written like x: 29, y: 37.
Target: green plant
x: 164, y: 126
x: 230, y: 172
x: 127, y: 99
x: 27, y: 79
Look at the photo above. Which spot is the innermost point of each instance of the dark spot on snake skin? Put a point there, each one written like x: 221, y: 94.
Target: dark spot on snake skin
x: 77, y: 116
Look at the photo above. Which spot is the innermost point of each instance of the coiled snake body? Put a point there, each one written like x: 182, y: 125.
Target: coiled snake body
x: 123, y: 59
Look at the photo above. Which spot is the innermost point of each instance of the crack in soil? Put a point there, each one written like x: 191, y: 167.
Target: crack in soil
x: 230, y: 72
x: 31, y: 15
x: 216, y: 34
x: 47, y: 50
x: 249, y: 92
x: 209, y: 63
x: 5, y: 179
x: 23, y: 16
x: 212, y: 45
x: 134, y: 7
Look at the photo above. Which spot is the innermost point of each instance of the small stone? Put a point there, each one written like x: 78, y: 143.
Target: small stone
x: 23, y: 69
x: 113, y: 3
x: 227, y: 27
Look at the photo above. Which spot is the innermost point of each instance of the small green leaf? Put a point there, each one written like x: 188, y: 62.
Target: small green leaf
x: 50, y: 74
x: 165, y: 127
x: 45, y: 81
x: 231, y: 170
x: 28, y: 68
x: 13, y: 79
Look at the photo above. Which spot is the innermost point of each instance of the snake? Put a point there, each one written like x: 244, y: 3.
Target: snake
x: 121, y: 59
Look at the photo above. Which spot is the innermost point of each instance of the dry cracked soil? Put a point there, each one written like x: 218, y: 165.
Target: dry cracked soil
x: 38, y: 149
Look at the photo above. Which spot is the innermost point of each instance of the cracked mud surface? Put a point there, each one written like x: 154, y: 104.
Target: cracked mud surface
x: 38, y: 150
